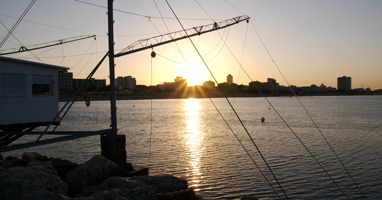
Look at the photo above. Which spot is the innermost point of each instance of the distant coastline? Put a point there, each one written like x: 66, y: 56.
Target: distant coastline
x: 106, y: 97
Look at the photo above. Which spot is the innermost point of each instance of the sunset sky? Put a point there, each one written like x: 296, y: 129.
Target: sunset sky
x: 311, y: 42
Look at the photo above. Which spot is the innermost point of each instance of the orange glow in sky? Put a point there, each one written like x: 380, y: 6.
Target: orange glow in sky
x: 312, y: 42
x: 195, y: 74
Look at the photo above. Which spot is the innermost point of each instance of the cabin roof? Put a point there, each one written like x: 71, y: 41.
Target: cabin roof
x: 59, y: 68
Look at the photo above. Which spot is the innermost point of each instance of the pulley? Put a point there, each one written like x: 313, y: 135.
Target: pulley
x: 153, y: 54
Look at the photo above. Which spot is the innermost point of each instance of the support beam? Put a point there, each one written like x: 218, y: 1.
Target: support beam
x: 113, y: 106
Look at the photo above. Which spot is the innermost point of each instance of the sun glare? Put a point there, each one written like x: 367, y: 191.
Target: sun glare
x: 195, y: 74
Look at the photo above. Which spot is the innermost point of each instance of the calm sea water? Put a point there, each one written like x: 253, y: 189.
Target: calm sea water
x: 189, y: 138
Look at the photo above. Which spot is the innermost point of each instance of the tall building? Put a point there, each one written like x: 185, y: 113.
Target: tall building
x: 125, y: 83
x: 179, y: 84
x: 229, y: 79
x: 209, y: 84
x: 344, y: 84
x: 65, y: 80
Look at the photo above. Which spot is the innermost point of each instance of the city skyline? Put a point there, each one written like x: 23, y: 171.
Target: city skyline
x: 309, y: 42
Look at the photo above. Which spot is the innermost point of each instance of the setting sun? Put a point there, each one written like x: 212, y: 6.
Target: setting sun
x: 195, y: 74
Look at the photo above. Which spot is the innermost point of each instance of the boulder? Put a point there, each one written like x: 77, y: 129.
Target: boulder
x: 44, y: 166
x: 110, y: 184
x: 11, y: 161
x: 146, y: 192
x: 165, y: 187
x: 92, y: 172
x: 164, y: 183
x: 33, y: 156
x: 63, y: 166
x: 187, y: 194
x: 35, y: 181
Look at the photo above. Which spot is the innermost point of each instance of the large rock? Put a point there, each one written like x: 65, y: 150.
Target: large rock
x: 164, y: 183
x: 187, y: 194
x: 37, y: 180
x: 11, y: 161
x: 92, y: 172
x: 33, y: 156
x: 63, y: 166
x: 110, y: 184
x: 164, y: 186
x: 139, y: 193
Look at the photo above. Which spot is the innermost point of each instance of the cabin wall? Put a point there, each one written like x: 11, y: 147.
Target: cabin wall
x: 19, y: 102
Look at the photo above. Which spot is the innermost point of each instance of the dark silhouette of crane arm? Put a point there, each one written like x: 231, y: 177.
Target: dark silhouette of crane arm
x: 148, y: 43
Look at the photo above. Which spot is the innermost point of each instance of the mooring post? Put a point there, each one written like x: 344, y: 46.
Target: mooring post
x: 113, y: 147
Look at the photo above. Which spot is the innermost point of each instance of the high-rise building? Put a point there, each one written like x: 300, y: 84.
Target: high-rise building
x: 344, y: 84
x: 125, y: 83
x: 229, y: 79
x: 65, y: 80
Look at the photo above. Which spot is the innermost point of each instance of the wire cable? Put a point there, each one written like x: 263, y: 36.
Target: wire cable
x: 310, y: 117
x: 17, y: 23
x: 151, y: 109
x: 21, y: 43
x: 307, y: 114
x: 136, y: 14
x: 231, y: 105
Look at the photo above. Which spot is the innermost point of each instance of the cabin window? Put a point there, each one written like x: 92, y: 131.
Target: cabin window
x: 13, y: 85
x: 42, y: 85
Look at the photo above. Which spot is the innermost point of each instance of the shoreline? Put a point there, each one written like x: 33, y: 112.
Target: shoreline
x: 230, y: 95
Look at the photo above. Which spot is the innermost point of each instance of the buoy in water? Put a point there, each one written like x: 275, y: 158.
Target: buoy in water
x: 262, y: 119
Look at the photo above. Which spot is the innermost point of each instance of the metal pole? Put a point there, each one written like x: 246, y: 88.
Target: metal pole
x: 111, y: 67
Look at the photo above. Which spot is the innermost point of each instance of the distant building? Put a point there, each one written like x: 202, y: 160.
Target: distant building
x: 125, y: 83
x: 255, y: 86
x: 344, y: 84
x: 229, y: 79
x: 93, y: 83
x: 65, y: 81
x: 314, y: 88
x: 270, y: 86
x: 209, y: 84
x: 323, y: 88
x: 179, y: 84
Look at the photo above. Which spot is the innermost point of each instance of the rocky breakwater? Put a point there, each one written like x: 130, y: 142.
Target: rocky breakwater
x: 36, y: 176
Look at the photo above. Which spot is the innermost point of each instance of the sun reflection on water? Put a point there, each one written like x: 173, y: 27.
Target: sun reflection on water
x: 193, y: 137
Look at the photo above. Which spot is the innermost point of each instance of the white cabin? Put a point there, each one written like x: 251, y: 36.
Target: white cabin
x: 28, y: 93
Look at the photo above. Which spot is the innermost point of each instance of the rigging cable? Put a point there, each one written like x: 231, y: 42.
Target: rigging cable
x: 305, y: 111
x: 73, y: 98
x: 135, y: 14
x: 289, y: 126
x: 63, y: 55
x: 230, y: 105
x: 96, y: 60
x: 83, y: 55
x: 168, y: 30
x: 17, y: 23
x: 153, y: 54
x: 223, y: 116
x: 84, y: 66
x: 310, y: 117
x: 66, y: 29
x: 21, y: 43
x: 218, y: 53
x: 245, y: 149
